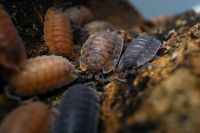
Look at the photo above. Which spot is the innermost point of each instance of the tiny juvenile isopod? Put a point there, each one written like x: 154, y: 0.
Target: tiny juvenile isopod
x: 98, y: 26
x: 139, y: 51
x: 78, y: 15
x: 42, y: 74
x: 79, y: 111
x: 35, y: 117
x: 12, y: 51
x: 101, y: 52
x: 58, y: 33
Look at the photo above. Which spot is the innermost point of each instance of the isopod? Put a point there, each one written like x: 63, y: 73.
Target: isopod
x: 78, y: 15
x: 79, y: 111
x: 12, y: 50
x: 98, y: 26
x: 35, y: 117
x: 139, y: 51
x: 41, y: 74
x: 58, y: 33
x: 101, y: 52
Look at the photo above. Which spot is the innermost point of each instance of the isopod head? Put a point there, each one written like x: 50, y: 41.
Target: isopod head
x: 101, y: 52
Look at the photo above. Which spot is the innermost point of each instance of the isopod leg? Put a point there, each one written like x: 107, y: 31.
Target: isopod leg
x: 30, y: 100
x: 9, y: 95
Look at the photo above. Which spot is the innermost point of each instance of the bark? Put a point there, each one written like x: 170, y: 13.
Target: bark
x: 162, y: 97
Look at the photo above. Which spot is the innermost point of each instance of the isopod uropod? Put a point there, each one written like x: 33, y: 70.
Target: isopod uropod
x: 42, y: 74
x: 12, y: 51
x: 79, y: 111
x: 101, y: 52
x: 58, y: 33
x: 139, y: 51
x: 31, y: 118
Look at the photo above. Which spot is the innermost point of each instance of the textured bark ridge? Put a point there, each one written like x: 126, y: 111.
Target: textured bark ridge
x: 163, y: 96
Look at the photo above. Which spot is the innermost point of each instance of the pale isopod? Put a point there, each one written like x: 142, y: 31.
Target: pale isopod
x: 78, y: 15
x: 98, y: 26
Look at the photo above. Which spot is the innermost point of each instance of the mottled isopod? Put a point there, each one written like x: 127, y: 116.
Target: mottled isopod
x: 12, y: 51
x: 101, y: 52
x: 31, y: 118
x: 78, y: 15
x: 42, y: 74
x: 79, y: 111
x: 98, y: 26
x: 58, y: 33
x: 139, y: 51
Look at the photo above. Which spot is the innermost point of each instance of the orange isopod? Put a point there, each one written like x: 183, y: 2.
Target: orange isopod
x: 35, y: 117
x: 41, y: 74
x: 12, y: 51
x: 58, y: 33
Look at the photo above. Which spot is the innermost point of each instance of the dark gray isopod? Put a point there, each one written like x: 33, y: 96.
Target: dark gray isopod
x: 79, y: 111
x: 139, y: 51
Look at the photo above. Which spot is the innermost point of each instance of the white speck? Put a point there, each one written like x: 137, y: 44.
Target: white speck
x: 174, y: 55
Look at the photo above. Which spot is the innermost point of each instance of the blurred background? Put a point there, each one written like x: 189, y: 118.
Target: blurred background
x: 154, y: 8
